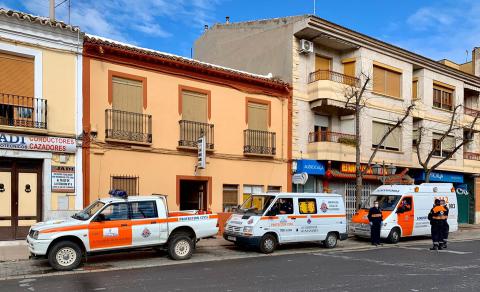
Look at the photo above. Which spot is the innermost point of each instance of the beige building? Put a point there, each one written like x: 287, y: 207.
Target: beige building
x: 40, y: 120
x: 145, y: 111
x: 322, y: 60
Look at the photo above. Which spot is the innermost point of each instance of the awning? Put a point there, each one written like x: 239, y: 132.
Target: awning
x: 328, y: 105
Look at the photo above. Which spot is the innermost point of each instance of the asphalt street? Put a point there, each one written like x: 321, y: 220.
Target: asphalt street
x: 388, y: 268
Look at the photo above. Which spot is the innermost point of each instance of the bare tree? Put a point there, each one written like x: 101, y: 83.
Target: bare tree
x: 452, y: 129
x: 356, y: 102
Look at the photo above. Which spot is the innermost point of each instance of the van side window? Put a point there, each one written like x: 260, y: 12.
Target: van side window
x: 406, y: 204
x: 307, y: 206
x: 144, y: 210
x: 283, y: 206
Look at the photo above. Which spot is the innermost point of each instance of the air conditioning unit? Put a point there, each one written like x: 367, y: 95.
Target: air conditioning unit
x: 306, y: 47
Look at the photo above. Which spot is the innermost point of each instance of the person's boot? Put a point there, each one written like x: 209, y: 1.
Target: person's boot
x: 435, y: 247
x: 443, y: 245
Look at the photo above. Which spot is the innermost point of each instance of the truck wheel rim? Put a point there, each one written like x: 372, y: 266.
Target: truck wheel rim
x: 66, y: 256
x: 331, y: 240
x: 268, y: 244
x: 182, y: 248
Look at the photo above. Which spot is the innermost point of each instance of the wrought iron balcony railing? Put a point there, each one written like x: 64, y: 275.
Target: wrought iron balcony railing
x: 128, y: 126
x: 259, y: 142
x: 333, y: 76
x: 190, y: 132
x: 328, y: 136
x: 23, y: 111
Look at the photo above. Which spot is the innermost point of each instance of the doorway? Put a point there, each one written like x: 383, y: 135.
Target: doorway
x: 20, y: 196
x: 193, y: 194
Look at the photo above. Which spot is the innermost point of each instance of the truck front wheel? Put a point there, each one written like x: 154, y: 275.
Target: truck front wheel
x: 65, y: 256
x: 180, y: 247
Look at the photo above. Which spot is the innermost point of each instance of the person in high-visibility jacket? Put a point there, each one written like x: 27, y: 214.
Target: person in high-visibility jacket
x: 445, y: 226
x: 375, y: 218
x: 436, y: 217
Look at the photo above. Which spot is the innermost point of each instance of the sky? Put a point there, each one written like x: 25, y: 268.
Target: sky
x: 437, y: 29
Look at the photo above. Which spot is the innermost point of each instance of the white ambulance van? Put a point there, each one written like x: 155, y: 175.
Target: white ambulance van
x: 405, y: 210
x: 266, y: 220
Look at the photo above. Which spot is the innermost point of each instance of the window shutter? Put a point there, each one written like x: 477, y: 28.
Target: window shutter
x: 322, y: 63
x: 349, y: 69
x: 415, y: 90
x: 393, y: 83
x: 194, y: 106
x: 378, y: 130
x: 393, y: 140
x: 448, y: 144
x: 257, y: 116
x: 16, y: 75
x: 127, y: 95
x: 378, y: 79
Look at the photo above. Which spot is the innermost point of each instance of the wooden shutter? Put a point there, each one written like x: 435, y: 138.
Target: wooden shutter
x: 349, y: 69
x: 415, y: 89
x: 194, y: 106
x: 257, y: 116
x: 393, y: 141
x: 127, y: 95
x: 379, y: 79
x: 393, y: 83
x: 322, y: 63
x: 16, y: 75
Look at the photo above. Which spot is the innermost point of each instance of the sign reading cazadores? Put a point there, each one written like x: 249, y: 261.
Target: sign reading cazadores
x: 37, y: 143
x: 63, y: 179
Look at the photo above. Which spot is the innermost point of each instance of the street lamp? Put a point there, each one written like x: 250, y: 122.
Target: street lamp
x: 376, y: 169
x: 391, y: 169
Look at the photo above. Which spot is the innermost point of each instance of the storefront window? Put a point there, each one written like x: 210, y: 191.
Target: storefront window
x: 249, y: 190
x: 230, y: 197
x: 274, y: 189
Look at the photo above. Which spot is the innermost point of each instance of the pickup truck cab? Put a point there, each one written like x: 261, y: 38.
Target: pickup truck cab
x: 120, y: 223
x: 266, y: 220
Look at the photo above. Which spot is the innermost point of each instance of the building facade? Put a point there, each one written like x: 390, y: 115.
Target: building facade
x: 145, y: 111
x: 323, y: 61
x: 40, y: 120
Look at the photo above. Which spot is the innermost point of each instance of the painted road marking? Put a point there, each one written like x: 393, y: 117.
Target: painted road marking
x: 443, y: 250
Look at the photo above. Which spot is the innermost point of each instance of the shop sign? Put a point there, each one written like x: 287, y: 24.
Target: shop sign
x: 37, y: 143
x: 314, y: 167
x: 351, y: 168
x: 63, y: 179
x: 442, y: 176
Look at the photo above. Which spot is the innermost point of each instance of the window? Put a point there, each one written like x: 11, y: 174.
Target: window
x: 307, y: 206
x: 283, y: 206
x: 415, y: 135
x: 117, y: 211
x: 392, y: 142
x: 442, y: 97
x: 144, y: 210
x: 17, y: 75
x: 405, y: 205
x: 386, y: 81
x: 230, y: 197
x: 125, y: 183
x: 249, y: 190
x: 322, y: 63
x: 274, y: 189
x: 415, y: 89
x: 127, y: 95
x: 194, y: 106
x: 445, y: 148
x: 349, y: 68
x: 258, y: 116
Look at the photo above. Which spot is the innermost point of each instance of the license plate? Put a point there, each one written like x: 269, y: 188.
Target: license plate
x: 232, y: 238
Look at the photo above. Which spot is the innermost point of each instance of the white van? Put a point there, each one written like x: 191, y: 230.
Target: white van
x: 266, y: 220
x: 405, y: 210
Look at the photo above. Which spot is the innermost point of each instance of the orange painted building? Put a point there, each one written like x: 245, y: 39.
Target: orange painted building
x: 144, y: 111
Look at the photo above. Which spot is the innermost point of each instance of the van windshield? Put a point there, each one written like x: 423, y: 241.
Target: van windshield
x: 256, y: 204
x: 385, y: 202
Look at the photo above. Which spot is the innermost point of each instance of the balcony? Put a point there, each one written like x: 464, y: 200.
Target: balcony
x: 258, y: 142
x: 327, y: 145
x: 128, y: 126
x: 333, y: 76
x: 23, y: 111
x: 190, y: 132
x: 335, y: 137
x: 471, y: 111
x: 471, y: 156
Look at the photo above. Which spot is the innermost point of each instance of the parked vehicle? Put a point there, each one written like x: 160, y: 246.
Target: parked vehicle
x: 116, y: 224
x: 267, y: 220
x: 405, y: 210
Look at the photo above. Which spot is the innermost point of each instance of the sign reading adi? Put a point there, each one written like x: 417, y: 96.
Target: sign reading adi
x: 37, y: 143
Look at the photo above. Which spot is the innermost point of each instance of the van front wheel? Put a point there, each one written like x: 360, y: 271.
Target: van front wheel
x: 331, y: 240
x: 268, y: 243
x: 394, y: 236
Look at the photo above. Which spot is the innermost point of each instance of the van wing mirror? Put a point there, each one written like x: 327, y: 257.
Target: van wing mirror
x: 100, y: 218
x: 271, y: 213
x: 400, y: 211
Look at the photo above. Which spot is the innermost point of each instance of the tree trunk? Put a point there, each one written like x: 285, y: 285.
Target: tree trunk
x: 359, y: 183
x: 427, y: 175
